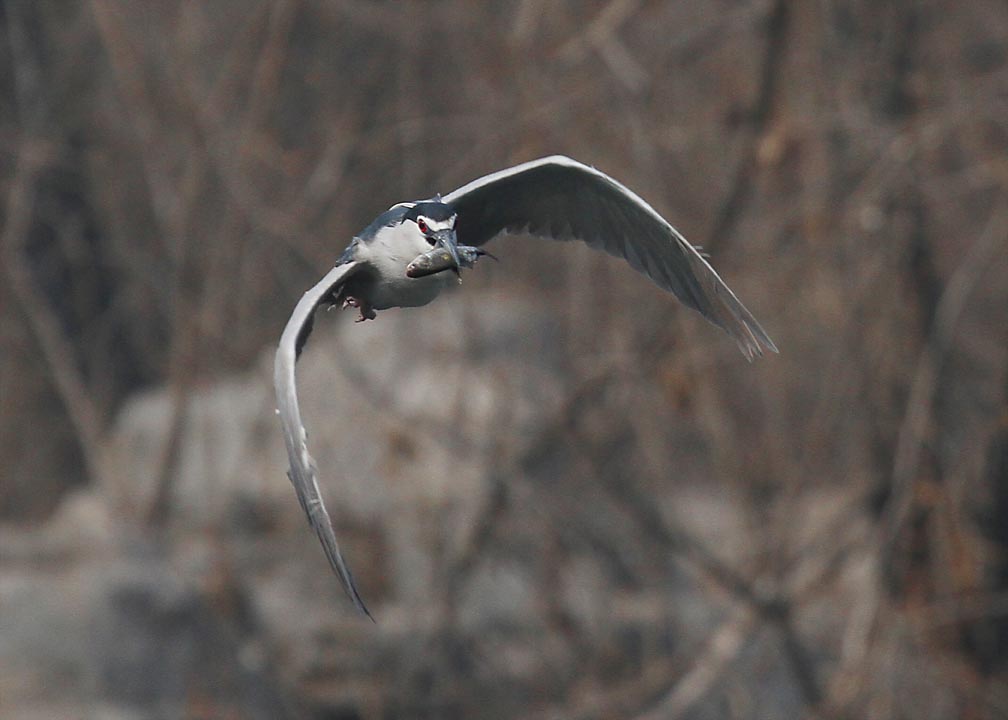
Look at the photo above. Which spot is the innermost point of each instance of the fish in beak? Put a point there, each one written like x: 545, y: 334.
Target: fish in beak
x: 440, y: 258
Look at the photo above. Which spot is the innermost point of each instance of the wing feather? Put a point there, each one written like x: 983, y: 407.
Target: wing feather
x: 302, y: 473
x: 562, y: 199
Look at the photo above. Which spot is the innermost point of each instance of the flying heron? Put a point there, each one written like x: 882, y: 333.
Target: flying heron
x: 412, y: 251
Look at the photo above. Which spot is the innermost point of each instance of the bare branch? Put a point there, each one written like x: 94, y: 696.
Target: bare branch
x: 710, y: 664
x: 917, y: 417
x: 57, y: 350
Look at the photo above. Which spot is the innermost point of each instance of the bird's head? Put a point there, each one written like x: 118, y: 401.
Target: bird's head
x: 435, y: 222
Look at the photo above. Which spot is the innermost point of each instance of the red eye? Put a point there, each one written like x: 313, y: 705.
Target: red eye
x: 422, y: 224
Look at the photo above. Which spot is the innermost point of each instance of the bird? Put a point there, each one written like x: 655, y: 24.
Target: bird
x: 414, y: 250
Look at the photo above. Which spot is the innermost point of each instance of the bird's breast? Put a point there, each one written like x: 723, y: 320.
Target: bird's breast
x: 403, y: 291
x: 389, y: 286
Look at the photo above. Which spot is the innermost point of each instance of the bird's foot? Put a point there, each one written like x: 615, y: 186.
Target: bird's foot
x: 366, y: 311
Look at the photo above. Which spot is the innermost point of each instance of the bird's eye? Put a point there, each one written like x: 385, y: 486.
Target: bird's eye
x: 422, y: 224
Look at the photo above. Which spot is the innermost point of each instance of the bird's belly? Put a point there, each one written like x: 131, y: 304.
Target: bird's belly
x: 408, y: 292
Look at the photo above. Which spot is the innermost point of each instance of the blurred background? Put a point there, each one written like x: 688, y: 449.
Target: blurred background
x: 563, y: 494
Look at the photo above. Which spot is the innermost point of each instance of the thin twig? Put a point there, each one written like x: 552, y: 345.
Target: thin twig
x: 57, y: 350
x: 710, y: 664
x: 759, y: 119
x: 918, y: 413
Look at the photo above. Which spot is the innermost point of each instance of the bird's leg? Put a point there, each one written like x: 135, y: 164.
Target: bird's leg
x: 366, y: 311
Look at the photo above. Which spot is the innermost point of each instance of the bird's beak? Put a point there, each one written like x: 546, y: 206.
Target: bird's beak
x: 446, y: 239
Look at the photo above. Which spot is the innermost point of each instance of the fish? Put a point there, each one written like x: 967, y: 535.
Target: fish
x: 439, y: 259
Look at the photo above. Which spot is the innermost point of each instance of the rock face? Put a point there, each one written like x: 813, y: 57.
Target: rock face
x: 503, y: 579
x: 234, y: 596
x: 405, y: 421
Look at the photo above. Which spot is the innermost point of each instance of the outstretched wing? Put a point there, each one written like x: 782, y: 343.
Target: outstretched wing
x: 562, y: 199
x: 302, y: 467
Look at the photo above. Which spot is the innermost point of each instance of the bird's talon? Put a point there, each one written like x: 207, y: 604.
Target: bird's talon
x: 366, y: 312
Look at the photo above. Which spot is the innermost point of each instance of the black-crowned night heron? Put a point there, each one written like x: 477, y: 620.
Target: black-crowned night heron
x: 411, y: 252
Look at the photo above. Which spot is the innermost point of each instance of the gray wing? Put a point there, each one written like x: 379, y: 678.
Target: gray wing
x: 560, y: 198
x: 302, y: 472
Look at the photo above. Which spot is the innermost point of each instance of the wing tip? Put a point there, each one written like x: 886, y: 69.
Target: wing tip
x: 727, y: 312
x: 753, y: 340
x: 339, y: 566
x: 358, y: 602
x: 752, y: 350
